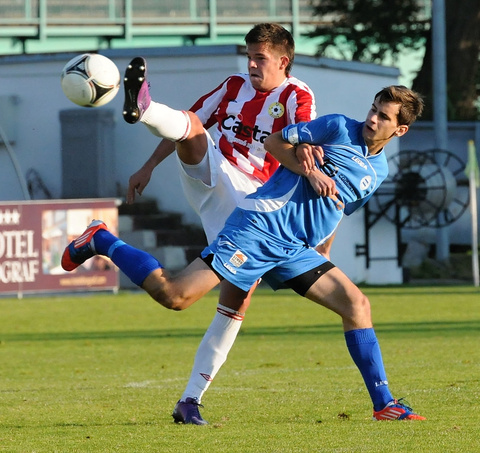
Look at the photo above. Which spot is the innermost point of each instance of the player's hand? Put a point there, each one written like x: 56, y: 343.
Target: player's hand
x: 323, y: 185
x: 137, y: 183
x: 307, y: 154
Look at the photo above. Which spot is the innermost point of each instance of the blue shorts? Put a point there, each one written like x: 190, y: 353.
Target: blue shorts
x: 242, y: 257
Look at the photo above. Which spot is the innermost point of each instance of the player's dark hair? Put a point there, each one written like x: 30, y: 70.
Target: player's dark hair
x: 411, y: 102
x: 275, y: 36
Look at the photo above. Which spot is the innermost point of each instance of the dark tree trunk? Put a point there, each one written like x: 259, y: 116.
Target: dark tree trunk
x: 463, y: 50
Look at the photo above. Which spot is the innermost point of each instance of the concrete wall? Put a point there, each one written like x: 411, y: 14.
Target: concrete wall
x: 178, y: 76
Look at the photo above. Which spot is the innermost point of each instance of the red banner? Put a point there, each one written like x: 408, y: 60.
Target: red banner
x: 33, y: 235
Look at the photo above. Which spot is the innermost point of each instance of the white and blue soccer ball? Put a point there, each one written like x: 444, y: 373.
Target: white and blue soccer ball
x: 90, y: 80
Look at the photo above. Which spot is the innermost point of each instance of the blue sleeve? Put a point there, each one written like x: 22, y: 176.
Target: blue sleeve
x: 350, y: 208
x: 316, y: 132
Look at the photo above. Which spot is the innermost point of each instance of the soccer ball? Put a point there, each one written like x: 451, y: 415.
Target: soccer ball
x: 90, y: 80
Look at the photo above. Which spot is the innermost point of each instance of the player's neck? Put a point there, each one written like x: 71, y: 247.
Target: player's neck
x: 266, y: 89
x: 375, y: 149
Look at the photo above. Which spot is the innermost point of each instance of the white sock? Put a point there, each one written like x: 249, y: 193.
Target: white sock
x: 213, y: 351
x: 166, y: 122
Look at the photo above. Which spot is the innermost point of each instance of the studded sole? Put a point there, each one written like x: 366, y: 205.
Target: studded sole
x: 132, y: 82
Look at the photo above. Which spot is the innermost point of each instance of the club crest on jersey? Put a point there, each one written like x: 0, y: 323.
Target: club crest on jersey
x: 276, y: 110
x: 365, y: 182
x: 238, y: 258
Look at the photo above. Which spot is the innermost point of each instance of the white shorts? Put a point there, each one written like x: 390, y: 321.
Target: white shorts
x: 214, y: 202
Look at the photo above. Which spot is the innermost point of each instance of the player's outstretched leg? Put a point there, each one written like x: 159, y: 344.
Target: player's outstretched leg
x: 187, y: 412
x: 161, y: 120
x: 143, y: 269
x: 137, y: 94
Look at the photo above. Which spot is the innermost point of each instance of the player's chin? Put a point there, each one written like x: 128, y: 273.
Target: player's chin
x: 256, y: 82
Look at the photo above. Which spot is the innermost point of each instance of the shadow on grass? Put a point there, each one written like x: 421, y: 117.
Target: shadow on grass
x: 89, y: 425
x: 415, y: 290
x: 432, y: 328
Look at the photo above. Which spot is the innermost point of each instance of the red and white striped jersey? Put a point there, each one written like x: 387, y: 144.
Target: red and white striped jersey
x: 244, y: 117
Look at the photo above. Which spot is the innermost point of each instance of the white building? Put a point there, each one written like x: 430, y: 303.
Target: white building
x: 99, y: 151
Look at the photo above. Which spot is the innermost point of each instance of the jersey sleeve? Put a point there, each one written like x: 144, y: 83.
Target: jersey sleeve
x: 319, y: 131
x: 206, y: 106
x: 350, y: 208
x: 301, y: 104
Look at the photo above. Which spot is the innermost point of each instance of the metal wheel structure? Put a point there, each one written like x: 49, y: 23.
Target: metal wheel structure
x: 422, y: 190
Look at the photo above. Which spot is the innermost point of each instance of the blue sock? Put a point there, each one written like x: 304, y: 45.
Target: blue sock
x: 365, y: 351
x: 136, y: 264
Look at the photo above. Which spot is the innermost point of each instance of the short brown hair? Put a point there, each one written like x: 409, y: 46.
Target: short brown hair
x: 411, y: 103
x: 275, y: 36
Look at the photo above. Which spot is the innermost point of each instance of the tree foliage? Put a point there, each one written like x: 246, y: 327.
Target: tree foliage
x: 462, y: 29
x: 377, y: 31
x: 368, y: 30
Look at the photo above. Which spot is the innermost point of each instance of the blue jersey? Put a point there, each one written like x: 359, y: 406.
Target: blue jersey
x: 286, y: 212
x: 287, y: 207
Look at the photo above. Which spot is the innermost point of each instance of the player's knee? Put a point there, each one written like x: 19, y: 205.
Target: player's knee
x: 174, y: 302
x: 196, y: 124
x: 179, y: 303
x: 360, y: 308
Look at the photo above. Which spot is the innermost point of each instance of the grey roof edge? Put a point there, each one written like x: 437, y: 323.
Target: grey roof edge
x: 179, y: 51
x: 344, y: 65
x: 174, y: 51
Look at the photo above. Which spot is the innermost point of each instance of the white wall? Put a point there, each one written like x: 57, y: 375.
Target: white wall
x: 178, y: 76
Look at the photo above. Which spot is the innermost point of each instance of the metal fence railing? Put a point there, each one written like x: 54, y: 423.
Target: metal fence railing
x: 39, y: 19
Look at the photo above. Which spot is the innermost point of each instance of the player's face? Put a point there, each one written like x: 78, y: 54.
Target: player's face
x: 382, y: 125
x: 266, y: 67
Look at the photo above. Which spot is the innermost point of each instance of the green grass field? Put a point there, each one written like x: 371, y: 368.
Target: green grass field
x: 102, y: 373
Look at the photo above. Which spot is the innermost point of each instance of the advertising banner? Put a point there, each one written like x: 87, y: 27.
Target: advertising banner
x: 33, y: 235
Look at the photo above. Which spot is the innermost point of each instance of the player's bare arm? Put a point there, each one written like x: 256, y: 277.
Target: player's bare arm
x: 323, y: 185
x: 140, y: 179
x: 308, y: 155
x: 284, y: 152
